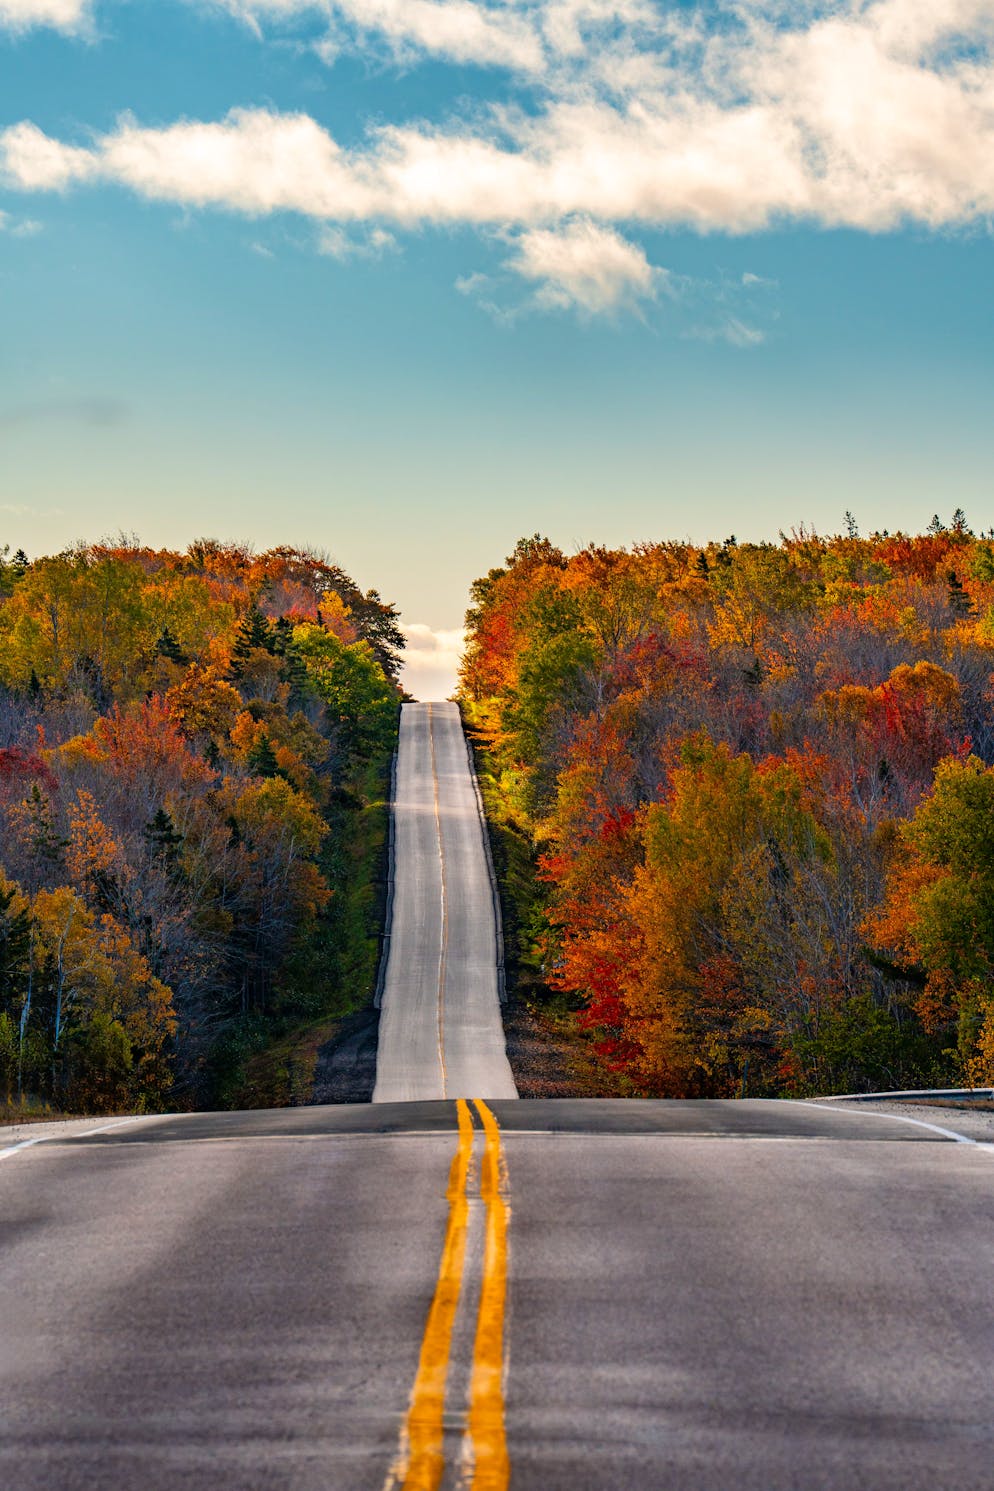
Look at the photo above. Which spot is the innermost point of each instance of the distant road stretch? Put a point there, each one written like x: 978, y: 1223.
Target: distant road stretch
x: 441, y: 1034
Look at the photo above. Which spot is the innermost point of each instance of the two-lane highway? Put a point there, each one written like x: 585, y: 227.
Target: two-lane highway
x: 440, y: 1026
x: 593, y: 1297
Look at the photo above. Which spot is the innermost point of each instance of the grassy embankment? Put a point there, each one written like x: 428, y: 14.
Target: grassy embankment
x: 550, y: 1053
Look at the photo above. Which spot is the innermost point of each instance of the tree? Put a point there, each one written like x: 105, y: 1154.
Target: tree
x: 361, y: 703
x: 938, y: 912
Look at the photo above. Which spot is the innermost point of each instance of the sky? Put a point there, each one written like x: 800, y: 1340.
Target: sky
x: 404, y: 280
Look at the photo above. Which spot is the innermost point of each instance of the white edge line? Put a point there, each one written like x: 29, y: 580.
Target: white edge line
x: 86, y: 1134
x: 918, y: 1123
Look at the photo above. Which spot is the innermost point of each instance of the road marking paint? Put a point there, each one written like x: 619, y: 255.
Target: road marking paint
x: 86, y: 1134
x: 421, y: 1460
x: 486, y: 1427
x: 919, y: 1123
x: 443, y: 949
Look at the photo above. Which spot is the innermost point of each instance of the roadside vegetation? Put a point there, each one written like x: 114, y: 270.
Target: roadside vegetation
x: 194, y: 765
x: 742, y: 800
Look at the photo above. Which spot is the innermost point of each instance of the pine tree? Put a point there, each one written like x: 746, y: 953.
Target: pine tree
x: 46, y: 842
x: 168, y: 647
x: 254, y: 633
x: 15, y: 950
x: 162, y: 839
x: 262, y: 758
x: 959, y: 601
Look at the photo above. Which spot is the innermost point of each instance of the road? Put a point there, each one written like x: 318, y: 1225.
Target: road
x: 571, y: 1296
x: 440, y: 1025
x: 449, y: 1288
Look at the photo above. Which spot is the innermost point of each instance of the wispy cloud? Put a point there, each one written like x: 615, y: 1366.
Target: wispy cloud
x: 461, y: 31
x: 22, y: 510
x: 92, y: 410
x: 24, y: 227
x: 730, y: 329
x: 336, y: 243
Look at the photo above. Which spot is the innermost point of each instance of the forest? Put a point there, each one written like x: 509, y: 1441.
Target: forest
x: 753, y: 788
x: 194, y: 765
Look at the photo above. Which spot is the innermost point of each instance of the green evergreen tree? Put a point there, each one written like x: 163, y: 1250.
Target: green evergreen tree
x: 262, y: 758
x: 254, y: 633
x: 168, y: 647
x: 162, y: 839
x: 47, y: 844
x: 15, y: 952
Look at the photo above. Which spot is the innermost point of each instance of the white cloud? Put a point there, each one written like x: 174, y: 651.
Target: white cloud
x: 431, y: 660
x: 62, y: 15
x: 34, y: 162
x: 494, y: 35
x: 868, y: 114
x: 582, y: 265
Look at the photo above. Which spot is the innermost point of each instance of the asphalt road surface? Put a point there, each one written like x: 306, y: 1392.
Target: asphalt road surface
x: 440, y: 1026
x: 571, y: 1296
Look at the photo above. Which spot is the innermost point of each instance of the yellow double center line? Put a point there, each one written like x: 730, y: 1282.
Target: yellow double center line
x: 421, y: 1462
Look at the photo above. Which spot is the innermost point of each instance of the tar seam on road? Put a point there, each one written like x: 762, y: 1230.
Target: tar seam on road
x: 444, y: 941
x: 420, y: 1462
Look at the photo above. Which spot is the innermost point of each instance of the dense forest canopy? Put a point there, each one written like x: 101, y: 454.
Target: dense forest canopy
x: 759, y: 783
x: 187, y: 744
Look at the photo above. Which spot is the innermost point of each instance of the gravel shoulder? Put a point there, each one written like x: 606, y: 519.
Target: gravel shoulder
x: 965, y: 1118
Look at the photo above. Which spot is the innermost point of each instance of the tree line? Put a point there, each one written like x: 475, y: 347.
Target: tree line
x: 757, y: 781
x: 189, y: 744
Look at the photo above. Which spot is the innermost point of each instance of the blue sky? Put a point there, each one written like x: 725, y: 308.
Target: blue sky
x: 404, y: 279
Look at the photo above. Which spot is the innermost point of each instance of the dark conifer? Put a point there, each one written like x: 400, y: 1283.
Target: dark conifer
x: 253, y: 634
x: 168, y: 647
x: 15, y: 950
x: 959, y: 601
x: 262, y: 758
x: 162, y: 839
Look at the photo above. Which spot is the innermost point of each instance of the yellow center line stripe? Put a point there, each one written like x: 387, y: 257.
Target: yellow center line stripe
x: 424, y: 1459
x: 491, y: 1464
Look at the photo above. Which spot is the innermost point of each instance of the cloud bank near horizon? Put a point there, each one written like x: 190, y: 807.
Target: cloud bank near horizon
x: 431, y: 660
x: 871, y: 115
